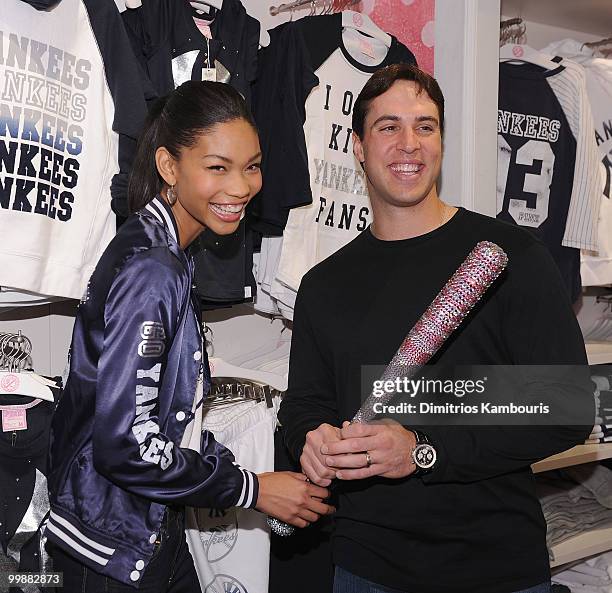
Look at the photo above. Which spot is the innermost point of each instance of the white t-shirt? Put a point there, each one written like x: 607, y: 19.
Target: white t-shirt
x: 59, y: 139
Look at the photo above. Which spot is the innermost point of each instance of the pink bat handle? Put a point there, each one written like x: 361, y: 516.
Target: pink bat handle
x: 450, y: 307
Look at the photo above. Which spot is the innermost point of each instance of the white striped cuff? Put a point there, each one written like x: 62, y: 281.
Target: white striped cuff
x: 250, y: 490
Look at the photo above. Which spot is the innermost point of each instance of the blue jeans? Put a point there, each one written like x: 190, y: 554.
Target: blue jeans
x: 345, y: 582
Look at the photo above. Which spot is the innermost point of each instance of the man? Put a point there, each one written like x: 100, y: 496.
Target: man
x: 471, y: 522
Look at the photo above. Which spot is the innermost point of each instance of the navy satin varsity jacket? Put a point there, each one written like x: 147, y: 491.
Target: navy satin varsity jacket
x: 136, y: 354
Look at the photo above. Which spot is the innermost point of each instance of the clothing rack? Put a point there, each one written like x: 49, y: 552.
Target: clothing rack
x: 326, y: 6
x: 227, y: 390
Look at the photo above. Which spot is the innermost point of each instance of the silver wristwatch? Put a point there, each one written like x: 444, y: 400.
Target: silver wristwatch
x: 424, y: 455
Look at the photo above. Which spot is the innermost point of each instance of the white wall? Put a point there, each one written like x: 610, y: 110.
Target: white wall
x: 467, y: 44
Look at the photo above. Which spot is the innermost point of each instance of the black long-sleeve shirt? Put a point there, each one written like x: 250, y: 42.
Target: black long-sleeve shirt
x: 474, y: 524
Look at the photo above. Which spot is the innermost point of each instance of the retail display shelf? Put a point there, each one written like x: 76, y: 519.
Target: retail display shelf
x: 582, y: 546
x: 574, y: 456
x: 599, y: 352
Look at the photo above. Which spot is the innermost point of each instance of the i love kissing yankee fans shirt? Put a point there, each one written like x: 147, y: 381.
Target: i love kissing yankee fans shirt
x: 318, y: 192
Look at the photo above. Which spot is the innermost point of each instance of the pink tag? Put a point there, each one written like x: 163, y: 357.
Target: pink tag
x: 357, y: 19
x: 518, y: 51
x: 365, y: 47
x: 14, y: 420
x: 203, y: 27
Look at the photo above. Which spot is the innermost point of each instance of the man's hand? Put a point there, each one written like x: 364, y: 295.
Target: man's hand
x: 290, y: 498
x: 312, y: 460
x: 388, y: 444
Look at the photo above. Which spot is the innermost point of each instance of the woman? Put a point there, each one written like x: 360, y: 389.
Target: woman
x: 119, y: 479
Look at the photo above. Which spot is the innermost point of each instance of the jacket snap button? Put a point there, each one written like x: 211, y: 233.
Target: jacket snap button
x: 134, y: 575
x: 197, y: 355
x: 140, y: 564
x: 180, y: 416
x: 152, y: 538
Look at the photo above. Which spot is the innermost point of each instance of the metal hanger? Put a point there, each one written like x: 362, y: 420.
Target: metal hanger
x: 15, y: 350
x: 327, y: 6
x: 514, y: 49
x: 228, y: 390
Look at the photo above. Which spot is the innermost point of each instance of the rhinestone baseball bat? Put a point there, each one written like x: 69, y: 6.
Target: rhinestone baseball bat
x: 443, y: 316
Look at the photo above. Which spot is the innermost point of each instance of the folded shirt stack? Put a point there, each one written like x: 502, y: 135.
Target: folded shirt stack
x: 575, y: 500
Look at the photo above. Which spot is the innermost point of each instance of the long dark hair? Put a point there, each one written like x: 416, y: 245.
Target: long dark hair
x: 175, y: 122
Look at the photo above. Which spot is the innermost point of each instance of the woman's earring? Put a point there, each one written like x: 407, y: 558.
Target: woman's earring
x: 171, y: 195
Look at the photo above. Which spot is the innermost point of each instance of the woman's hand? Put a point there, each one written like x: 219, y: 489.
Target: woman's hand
x: 288, y: 496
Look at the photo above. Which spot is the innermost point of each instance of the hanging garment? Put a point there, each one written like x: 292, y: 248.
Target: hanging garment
x: 172, y: 49
x: 224, y: 267
x: 272, y: 296
x: 596, y: 268
x: 549, y: 175
x: 73, y: 103
x: 24, y: 500
x: 231, y: 547
x: 309, y: 77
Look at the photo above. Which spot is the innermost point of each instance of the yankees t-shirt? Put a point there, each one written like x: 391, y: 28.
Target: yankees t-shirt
x: 293, y: 71
x: 548, y: 178
x: 596, y: 268
x: 71, y: 107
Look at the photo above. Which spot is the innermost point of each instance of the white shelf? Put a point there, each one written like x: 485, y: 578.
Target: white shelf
x: 574, y: 456
x: 582, y: 546
x: 599, y: 352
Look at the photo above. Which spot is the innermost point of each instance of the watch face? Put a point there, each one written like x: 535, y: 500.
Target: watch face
x: 424, y: 456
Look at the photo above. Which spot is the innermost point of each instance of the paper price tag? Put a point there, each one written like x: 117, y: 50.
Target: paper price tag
x: 209, y: 74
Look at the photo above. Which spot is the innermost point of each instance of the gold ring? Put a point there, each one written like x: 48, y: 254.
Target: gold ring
x: 368, y: 459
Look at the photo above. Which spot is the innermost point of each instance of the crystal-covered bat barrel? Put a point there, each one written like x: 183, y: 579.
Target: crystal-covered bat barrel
x: 450, y: 307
